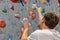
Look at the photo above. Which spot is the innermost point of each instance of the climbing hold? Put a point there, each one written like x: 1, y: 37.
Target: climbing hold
x: 12, y: 7
x: 21, y: 31
x: 21, y: 2
x: 59, y: 1
x: 9, y: 38
x: 17, y: 16
x: 4, y: 10
x: 33, y: 6
x: 43, y: 10
x: 48, y: 1
x: 25, y: 1
x: 14, y: 1
x: 28, y: 9
x: 32, y: 15
x: 2, y: 24
x: 43, y: 1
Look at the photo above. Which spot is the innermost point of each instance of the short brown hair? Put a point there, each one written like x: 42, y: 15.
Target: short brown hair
x: 51, y: 20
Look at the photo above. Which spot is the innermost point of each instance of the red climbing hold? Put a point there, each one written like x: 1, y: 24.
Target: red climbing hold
x: 14, y: 1
x: 12, y: 7
x: 32, y: 15
x: 2, y: 24
x: 21, y: 31
x: 59, y: 1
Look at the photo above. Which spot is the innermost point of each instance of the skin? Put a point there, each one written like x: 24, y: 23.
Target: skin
x: 26, y: 24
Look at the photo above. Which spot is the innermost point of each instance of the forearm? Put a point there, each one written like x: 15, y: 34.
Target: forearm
x: 25, y: 35
x: 40, y: 15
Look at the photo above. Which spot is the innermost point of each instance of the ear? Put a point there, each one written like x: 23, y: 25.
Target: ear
x: 43, y: 20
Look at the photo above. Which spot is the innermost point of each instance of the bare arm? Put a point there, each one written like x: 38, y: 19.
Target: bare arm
x: 39, y: 13
x: 25, y: 35
x: 26, y: 27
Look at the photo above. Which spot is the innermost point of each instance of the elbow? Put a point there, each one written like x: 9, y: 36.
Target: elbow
x: 24, y: 38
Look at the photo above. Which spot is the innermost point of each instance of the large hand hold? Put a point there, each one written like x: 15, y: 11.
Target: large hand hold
x: 2, y: 24
x: 59, y: 1
x: 32, y: 15
x: 34, y: 6
x: 17, y: 16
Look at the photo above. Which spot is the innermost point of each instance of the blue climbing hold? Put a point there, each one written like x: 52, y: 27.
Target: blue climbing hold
x: 48, y: 1
x: 9, y: 38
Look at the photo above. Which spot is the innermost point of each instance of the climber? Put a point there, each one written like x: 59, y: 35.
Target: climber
x: 46, y: 29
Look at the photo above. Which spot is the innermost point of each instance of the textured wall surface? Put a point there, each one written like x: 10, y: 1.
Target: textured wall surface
x: 13, y: 24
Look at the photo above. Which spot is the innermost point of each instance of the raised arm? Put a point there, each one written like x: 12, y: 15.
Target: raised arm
x: 39, y: 13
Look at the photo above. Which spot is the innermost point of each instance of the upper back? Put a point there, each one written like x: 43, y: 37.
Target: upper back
x: 46, y: 35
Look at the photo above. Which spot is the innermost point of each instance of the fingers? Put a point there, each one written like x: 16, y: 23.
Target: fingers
x: 26, y: 24
x: 25, y: 20
x: 39, y: 9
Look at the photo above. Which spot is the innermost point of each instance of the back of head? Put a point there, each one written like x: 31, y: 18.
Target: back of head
x: 51, y: 20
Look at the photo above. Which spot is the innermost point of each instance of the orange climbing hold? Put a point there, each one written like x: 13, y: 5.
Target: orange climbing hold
x: 43, y: 1
x: 2, y: 24
x: 25, y: 1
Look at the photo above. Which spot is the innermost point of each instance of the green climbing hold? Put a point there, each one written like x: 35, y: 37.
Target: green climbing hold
x: 28, y: 9
x: 43, y: 10
x: 4, y: 10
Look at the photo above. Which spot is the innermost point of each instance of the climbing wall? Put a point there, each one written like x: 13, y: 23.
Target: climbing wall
x: 12, y: 13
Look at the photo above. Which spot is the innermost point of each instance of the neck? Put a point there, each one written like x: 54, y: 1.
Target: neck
x: 44, y: 27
